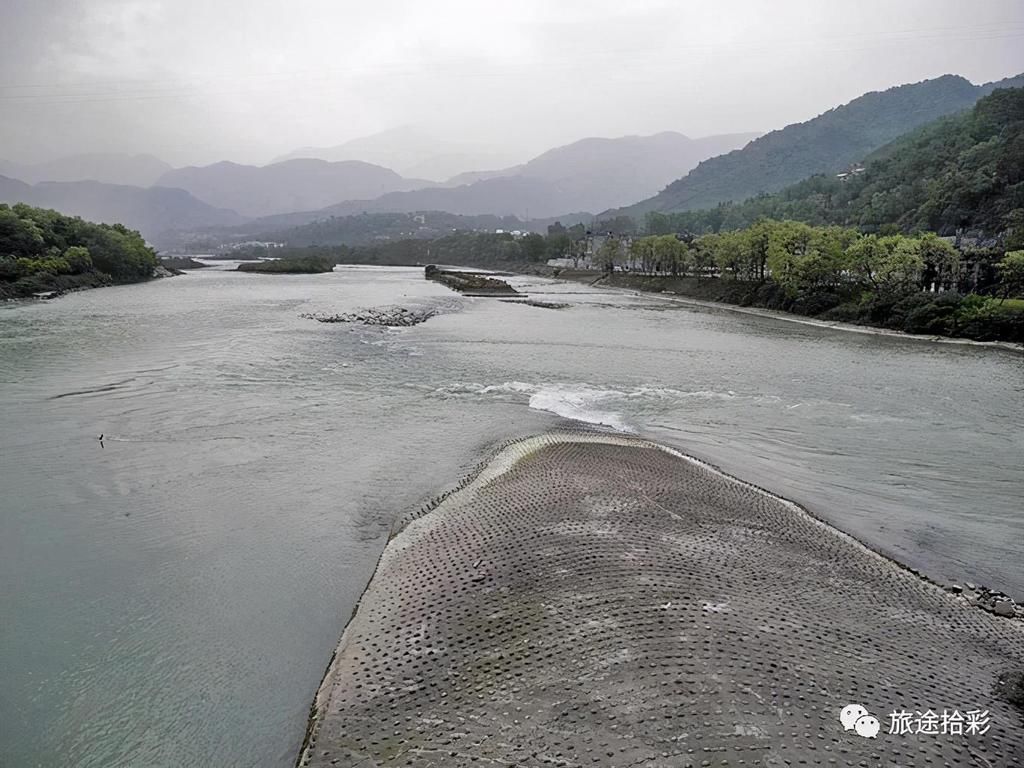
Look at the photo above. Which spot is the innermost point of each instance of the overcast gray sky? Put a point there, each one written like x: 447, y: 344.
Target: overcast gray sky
x: 201, y: 80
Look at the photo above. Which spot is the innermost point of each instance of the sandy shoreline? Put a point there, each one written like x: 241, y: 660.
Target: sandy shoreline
x: 590, y: 599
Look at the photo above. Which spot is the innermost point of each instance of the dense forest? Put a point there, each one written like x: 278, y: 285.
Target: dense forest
x: 42, y: 251
x: 964, y: 172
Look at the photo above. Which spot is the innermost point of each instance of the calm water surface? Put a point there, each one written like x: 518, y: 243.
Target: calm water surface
x: 173, y: 597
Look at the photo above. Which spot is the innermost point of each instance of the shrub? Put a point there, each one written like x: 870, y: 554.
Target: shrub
x: 935, y: 316
x: 816, y: 303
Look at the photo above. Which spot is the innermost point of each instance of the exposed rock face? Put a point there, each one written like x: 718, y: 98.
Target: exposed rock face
x: 468, y: 282
x: 1003, y: 608
x: 386, y: 316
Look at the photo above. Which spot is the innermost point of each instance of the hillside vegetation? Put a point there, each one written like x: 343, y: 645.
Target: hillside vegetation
x: 828, y: 143
x: 960, y: 172
x: 42, y: 250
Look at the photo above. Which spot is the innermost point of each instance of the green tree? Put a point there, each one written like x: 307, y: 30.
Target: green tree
x: 656, y: 223
x: 863, y: 259
x: 730, y: 254
x: 558, y: 244
x: 759, y: 242
x: 534, y: 247
x: 641, y: 251
x: 1011, y: 274
x: 941, y: 261
x: 19, y: 236
x: 703, y: 253
x: 78, y: 259
x: 669, y: 253
x: 899, y: 271
x: 1014, y: 223
x: 790, y: 243
x: 609, y: 253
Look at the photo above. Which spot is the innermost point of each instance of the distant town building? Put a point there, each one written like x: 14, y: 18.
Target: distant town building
x: 853, y: 170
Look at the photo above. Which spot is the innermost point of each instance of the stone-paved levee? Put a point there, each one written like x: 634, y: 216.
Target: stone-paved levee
x: 590, y: 600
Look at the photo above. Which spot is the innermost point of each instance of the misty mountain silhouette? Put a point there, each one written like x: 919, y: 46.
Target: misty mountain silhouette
x: 109, y: 168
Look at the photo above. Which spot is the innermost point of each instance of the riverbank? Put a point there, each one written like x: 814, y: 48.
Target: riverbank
x: 730, y: 296
x: 48, y: 287
x: 595, y: 599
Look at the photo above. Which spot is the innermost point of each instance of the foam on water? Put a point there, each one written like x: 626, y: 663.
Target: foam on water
x: 583, y: 402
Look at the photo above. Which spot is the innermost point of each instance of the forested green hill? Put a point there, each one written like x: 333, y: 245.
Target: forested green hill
x: 960, y: 172
x: 826, y: 144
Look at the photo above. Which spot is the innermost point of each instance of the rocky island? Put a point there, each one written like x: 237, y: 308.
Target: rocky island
x: 305, y: 265
x: 469, y: 283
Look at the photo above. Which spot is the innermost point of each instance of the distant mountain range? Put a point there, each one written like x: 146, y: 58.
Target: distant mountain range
x: 410, y: 152
x: 134, y: 170
x: 826, y: 144
x: 155, y: 211
x: 594, y: 174
x: 587, y: 175
x: 591, y: 174
x: 286, y: 187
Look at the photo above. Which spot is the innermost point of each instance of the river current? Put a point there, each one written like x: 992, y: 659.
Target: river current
x: 172, y: 595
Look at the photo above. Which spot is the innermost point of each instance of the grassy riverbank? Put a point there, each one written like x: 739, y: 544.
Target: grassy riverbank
x: 944, y: 314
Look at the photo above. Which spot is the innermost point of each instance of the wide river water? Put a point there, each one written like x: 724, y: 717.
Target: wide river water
x: 172, y: 597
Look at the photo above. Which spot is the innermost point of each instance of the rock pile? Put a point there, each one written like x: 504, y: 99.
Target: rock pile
x: 471, y: 283
x: 990, y: 600
x: 382, y: 316
x: 536, y: 303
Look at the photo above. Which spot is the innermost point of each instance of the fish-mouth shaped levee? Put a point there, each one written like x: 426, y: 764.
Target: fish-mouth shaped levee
x: 597, y: 599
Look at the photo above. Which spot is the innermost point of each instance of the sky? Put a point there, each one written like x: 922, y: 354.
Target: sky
x: 196, y: 81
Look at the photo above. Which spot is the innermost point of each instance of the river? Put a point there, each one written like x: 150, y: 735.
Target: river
x: 172, y: 596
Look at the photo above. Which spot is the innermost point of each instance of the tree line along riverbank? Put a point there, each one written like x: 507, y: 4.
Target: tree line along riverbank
x: 917, y: 284
x: 45, y: 252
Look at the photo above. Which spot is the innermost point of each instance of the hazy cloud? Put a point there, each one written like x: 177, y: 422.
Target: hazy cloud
x: 200, y: 80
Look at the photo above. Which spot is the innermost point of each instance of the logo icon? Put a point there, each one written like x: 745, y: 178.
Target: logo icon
x: 855, y: 718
